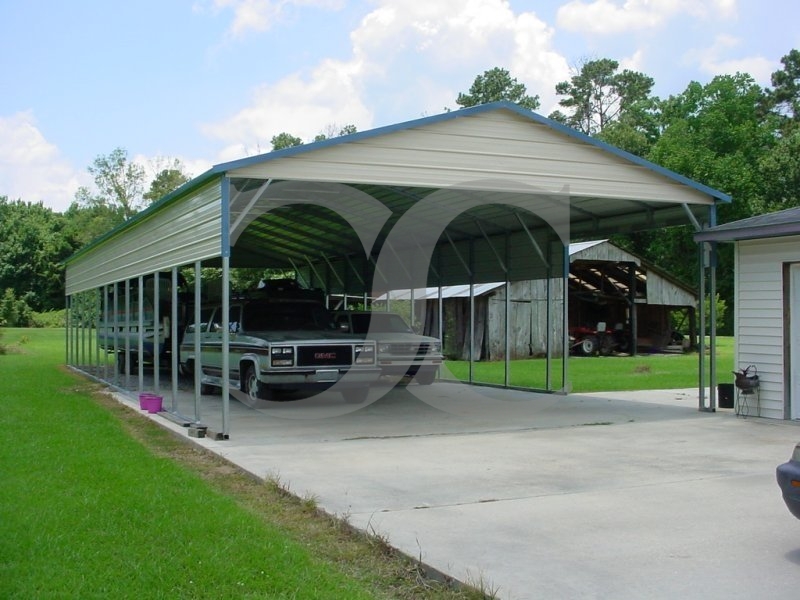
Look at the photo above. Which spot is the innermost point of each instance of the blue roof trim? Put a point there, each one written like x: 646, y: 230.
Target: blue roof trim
x: 492, y: 106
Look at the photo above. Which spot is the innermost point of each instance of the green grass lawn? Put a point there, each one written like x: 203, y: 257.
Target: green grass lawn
x: 604, y: 373
x: 97, y: 501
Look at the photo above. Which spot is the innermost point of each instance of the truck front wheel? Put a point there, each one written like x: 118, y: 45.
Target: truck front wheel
x: 251, y: 385
x: 425, y: 376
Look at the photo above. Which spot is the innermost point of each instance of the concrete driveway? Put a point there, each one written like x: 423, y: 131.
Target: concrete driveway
x: 617, y: 495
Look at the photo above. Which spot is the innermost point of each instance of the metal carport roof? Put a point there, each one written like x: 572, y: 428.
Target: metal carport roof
x: 467, y: 196
x: 516, y: 170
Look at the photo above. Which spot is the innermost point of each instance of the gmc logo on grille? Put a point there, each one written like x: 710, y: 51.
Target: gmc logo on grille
x: 324, y: 355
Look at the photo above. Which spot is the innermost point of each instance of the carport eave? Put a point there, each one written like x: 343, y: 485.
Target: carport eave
x: 184, y: 191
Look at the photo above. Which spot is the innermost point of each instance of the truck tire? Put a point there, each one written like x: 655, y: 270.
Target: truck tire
x: 425, y: 376
x: 254, y: 388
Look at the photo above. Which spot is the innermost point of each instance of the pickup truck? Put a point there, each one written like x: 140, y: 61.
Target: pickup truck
x: 400, y: 351
x: 282, y: 339
x: 118, y: 330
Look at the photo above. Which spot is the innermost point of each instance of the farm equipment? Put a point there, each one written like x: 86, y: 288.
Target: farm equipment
x: 590, y: 341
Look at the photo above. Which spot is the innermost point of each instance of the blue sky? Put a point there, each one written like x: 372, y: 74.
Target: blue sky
x: 207, y: 81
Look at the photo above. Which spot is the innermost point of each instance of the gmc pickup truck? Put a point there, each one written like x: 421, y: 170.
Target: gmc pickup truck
x: 400, y: 350
x: 282, y: 338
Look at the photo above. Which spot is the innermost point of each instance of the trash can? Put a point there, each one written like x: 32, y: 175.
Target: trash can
x: 725, y: 395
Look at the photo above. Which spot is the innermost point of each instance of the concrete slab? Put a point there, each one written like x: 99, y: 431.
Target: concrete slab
x: 617, y: 495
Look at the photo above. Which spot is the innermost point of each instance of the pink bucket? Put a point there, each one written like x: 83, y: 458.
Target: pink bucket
x: 144, y: 400
x: 155, y: 404
x: 150, y: 402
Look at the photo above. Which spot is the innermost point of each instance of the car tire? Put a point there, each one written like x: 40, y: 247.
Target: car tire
x: 134, y: 365
x: 425, y: 376
x: 253, y: 387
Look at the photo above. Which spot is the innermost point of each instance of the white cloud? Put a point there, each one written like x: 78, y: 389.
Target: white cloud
x: 633, y: 62
x: 716, y: 60
x: 607, y: 17
x: 31, y: 168
x: 404, y: 53
x: 259, y: 15
x: 301, y: 106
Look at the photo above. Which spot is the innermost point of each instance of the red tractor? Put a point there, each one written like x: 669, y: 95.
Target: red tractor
x: 590, y: 341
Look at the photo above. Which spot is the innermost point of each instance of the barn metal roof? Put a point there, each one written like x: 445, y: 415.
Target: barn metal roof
x: 300, y: 207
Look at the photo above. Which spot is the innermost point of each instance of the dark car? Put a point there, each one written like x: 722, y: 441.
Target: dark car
x: 788, y: 475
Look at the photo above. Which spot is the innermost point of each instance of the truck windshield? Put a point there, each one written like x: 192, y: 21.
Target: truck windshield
x: 381, y: 322
x: 286, y: 316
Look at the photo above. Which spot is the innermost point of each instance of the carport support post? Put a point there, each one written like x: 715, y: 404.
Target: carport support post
x: 701, y: 345
x: 174, y: 339
x: 225, y: 251
x: 115, y: 359
x: 140, y: 328
x: 471, y: 311
x: 67, y: 347
x: 226, y: 339
x: 127, y: 333
x: 712, y: 363
x: 156, y: 333
x: 507, y: 349
x: 565, y: 317
x: 98, y: 303
x: 105, y: 332
x: 198, y: 360
x: 471, y: 329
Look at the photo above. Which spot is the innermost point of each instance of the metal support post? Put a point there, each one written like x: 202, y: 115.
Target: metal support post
x: 174, y: 359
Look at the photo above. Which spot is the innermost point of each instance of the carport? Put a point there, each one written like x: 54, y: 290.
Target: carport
x: 493, y: 192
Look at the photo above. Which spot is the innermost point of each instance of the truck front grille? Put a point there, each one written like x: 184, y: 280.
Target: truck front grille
x: 409, y: 349
x: 312, y: 356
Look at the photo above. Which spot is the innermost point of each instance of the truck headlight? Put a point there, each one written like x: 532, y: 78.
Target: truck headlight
x: 282, y: 356
x: 365, y: 354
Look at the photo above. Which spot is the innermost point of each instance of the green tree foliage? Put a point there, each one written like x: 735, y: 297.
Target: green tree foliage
x: 285, y: 140
x: 32, y: 248
x: 494, y: 85
x: 168, y: 179
x: 780, y: 170
x: 119, y: 184
x: 86, y: 221
x: 14, y: 312
x: 781, y: 165
x: 785, y: 95
x: 617, y: 105
x: 715, y: 134
x: 332, y: 132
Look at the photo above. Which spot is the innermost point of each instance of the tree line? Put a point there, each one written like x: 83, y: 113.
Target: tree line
x: 730, y: 134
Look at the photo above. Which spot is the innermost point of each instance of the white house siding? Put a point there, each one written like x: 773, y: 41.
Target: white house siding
x: 759, y: 314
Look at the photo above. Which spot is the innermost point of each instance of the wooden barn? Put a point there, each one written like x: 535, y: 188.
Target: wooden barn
x: 607, y: 285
